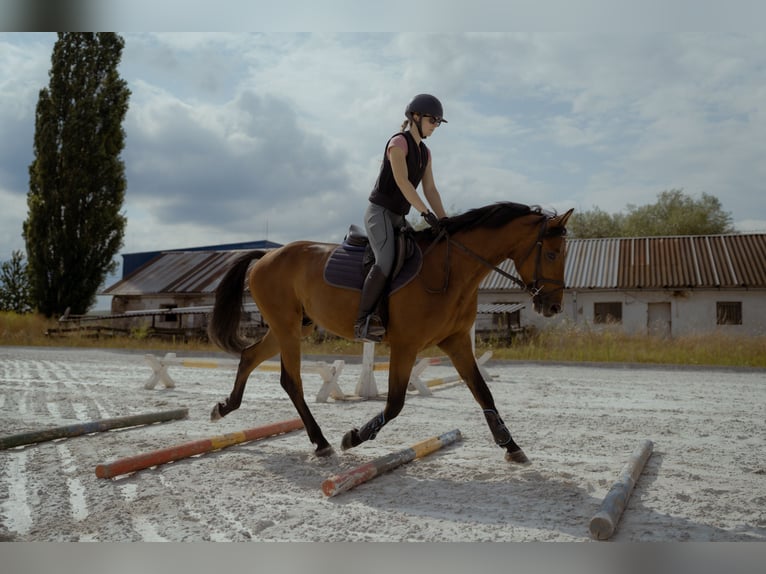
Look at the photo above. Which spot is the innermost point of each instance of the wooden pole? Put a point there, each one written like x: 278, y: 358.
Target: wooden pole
x: 349, y: 479
x: 91, y: 427
x: 604, y: 522
x: 178, y: 452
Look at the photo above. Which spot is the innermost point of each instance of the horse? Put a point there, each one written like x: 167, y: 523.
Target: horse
x: 438, y: 307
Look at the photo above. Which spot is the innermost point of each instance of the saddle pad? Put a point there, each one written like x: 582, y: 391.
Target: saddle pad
x: 345, y: 268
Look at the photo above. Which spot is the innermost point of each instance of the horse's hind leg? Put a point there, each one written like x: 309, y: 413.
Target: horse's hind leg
x: 458, y: 348
x: 249, y: 359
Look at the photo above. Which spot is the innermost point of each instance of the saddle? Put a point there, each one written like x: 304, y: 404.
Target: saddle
x: 350, y: 262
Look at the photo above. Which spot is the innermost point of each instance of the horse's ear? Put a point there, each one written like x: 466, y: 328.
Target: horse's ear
x: 561, y: 220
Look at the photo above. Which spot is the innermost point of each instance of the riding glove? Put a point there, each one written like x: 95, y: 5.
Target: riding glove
x: 432, y: 220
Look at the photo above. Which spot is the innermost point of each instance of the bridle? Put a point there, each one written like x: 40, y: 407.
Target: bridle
x: 534, y: 288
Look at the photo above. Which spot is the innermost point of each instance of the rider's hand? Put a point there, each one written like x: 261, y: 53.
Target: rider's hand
x: 432, y: 220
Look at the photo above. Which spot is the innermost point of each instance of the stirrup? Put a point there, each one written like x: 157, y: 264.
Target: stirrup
x: 369, y: 329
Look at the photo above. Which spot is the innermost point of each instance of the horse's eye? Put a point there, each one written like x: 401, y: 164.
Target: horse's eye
x: 551, y: 255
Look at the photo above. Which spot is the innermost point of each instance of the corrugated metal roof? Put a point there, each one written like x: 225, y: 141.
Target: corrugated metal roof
x: 692, y: 261
x: 132, y: 261
x: 499, y: 307
x: 589, y: 259
x: 678, y: 262
x: 704, y: 261
x: 177, y: 272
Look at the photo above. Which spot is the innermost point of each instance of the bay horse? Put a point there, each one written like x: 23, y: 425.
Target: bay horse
x: 438, y: 307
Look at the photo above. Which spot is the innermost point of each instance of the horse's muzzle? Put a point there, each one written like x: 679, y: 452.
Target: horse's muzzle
x: 545, y: 308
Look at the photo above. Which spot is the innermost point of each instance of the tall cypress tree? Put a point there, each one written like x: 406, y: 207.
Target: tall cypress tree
x: 75, y: 225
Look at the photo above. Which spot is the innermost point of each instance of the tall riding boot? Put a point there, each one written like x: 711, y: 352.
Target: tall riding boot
x: 369, y: 326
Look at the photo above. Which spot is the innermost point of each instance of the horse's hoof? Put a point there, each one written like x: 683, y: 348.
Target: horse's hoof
x: 325, y: 451
x: 350, y: 439
x: 517, y: 456
x: 215, y: 414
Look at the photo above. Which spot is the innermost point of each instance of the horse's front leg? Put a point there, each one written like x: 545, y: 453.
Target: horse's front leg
x: 458, y: 348
x: 400, y: 367
x: 291, y: 382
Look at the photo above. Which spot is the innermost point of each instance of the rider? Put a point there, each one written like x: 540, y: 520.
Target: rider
x: 406, y: 163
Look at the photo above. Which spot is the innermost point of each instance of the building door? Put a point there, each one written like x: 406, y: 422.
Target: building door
x: 658, y: 320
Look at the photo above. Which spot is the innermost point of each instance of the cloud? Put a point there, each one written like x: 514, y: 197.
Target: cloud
x: 12, y: 215
x: 234, y: 136
x: 217, y: 166
x: 23, y: 73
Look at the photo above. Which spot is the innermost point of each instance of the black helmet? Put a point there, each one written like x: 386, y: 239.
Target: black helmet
x: 425, y: 104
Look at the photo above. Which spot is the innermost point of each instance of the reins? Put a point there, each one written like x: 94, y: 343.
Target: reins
x: 534, y: 290
x: 486, y: 263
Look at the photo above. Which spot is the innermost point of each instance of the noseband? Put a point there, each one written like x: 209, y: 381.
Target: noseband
x: 537, y: 279
x: 534, y: 288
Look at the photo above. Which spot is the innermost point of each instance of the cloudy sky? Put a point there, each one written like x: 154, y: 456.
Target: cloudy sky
x: 236, y: 137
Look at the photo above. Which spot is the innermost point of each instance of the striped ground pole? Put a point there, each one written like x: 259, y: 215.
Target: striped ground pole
x: 91, y: 427
x: 185, y: 450
x: 356, y: 476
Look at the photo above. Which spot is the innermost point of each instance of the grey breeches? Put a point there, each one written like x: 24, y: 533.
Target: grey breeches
x: 380, y: 224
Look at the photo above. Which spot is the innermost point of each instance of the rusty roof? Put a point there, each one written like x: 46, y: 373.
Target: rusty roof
x: 177, y: 272
x: 679, y: 262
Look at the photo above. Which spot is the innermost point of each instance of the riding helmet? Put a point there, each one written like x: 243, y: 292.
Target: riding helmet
x: 425, y: 104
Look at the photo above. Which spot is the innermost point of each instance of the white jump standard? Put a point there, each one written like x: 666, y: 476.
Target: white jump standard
x: 367, y: 389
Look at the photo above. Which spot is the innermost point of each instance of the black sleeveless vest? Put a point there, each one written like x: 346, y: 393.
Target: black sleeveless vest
x: 386, y: 193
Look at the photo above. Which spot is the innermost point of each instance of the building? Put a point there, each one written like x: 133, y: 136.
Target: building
x: 665, y: 286
x: 172, y: 291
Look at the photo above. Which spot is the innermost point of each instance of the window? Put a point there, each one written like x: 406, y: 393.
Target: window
x: 607, y: 312
x: 728, y: 312
x: 506, y: 321
x: 169, y: 317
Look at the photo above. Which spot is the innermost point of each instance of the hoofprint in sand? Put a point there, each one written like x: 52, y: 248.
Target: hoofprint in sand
x: 705, y: 480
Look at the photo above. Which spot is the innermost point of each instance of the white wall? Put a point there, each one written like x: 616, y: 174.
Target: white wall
x: 691, y: 311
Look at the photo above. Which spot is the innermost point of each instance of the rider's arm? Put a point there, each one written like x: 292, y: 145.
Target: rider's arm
x: 398, y: 160
x: 431, y: 193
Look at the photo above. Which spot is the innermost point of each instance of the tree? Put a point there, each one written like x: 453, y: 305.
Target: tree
x: 595, y: 223
x: 14, y: 285
x: 674, y: 213
x: 74, y: 226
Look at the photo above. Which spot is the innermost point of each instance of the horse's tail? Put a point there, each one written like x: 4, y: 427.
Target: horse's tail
x: 223, y: 328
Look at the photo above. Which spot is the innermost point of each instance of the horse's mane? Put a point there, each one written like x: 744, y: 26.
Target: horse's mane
x: 489, y: 216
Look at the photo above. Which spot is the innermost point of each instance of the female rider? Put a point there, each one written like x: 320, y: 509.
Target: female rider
x: 406, y: 164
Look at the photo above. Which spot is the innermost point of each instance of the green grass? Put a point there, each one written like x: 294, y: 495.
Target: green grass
x: 568, y: 344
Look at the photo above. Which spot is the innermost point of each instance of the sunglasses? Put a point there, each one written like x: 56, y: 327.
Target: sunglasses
x: 433, y: 119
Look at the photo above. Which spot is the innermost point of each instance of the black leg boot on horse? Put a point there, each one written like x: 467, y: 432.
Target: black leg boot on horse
x: 369, y: 326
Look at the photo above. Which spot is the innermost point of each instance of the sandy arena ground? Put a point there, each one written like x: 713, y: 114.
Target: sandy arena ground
x: 706, y: 480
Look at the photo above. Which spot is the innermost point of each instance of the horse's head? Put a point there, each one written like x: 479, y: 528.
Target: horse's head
x: 541, y: 267
x: 533, y: 239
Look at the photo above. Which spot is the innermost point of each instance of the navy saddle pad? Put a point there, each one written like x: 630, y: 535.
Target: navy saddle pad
x: 346, y: 266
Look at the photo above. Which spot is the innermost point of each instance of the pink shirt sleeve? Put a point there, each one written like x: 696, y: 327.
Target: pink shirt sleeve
x: 399, y: 141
